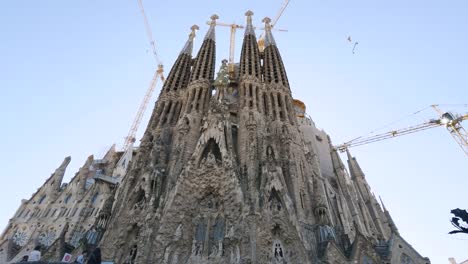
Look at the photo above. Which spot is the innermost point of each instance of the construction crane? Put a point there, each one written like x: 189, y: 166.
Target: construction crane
x: 452, y: 122
x: 261, y: 40
x: 158, y: 75
x: 232, y: 45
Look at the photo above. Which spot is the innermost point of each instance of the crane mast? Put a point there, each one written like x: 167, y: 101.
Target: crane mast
x: 261, y: 40
x: 232, y: 43
x: 130, y: 139
x: 454, y: 127
x: 280, y: 13
x: 158, y: 75
x: 148, y: 32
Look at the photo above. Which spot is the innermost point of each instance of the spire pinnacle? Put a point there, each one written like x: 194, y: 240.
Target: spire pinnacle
x: 188, y: 47
x: 390, y: 221
x: 211, y: 32
x: 269, y: 40
x: 57, y: 176
x: 383, y: 205
x: 354, y: 168
x: 350, y: 157
x: 249, y: 30
x: 194, y: 29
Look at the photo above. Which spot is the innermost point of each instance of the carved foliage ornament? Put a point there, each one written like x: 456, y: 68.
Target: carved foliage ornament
x: 20, y: 238
x: 47, y: 238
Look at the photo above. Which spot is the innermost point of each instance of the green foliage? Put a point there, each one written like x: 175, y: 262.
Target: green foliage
x: 460, y: 221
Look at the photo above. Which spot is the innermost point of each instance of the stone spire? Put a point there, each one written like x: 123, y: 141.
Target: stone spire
x: 274, y: 71
x: 188, y: 47
x: 354, y: 168
x: 347, y: 190
x: 390, y: 221
x: 357, y: 175
x: 250, y: 54
x: 362, y: 186
x: 180, y: 73
x: 204, y: 65
x: 269, y: 40
x: 249, y: 29
x: 83, y: 175
x: 57, y: 176
x: 321, y: 211
x: 168, y: 108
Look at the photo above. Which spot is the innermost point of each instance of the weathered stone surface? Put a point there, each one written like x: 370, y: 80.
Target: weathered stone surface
x: 229, y: 170
x: 61, y: 217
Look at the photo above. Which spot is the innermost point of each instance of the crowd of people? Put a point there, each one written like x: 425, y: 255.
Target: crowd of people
x: 83, y: 258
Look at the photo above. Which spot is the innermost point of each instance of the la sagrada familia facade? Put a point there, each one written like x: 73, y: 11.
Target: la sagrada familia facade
x: 229, y: 170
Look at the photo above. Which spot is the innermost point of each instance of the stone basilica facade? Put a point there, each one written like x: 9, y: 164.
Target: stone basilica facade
x: 229, y: 170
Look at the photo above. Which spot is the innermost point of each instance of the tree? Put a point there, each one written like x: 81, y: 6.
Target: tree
x: 460, y: 221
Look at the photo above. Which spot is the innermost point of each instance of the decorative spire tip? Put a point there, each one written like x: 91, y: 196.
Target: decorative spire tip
x: 249, y: 13
x: 214, y: 17
x: 266, y: 20
x: 211, y: 32
x: 194, y: 28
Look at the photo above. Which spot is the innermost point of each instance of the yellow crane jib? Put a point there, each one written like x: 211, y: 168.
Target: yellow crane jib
x: 452, y: 121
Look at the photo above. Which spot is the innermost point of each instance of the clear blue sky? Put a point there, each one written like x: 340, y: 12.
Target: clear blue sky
x: 73, y: 74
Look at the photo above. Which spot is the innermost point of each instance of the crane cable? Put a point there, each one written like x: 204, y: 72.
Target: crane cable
x: 158, y: 74
x: 277, y: 17
x: 456, y: 130
x: 389, y: 124
x: 148, y: 32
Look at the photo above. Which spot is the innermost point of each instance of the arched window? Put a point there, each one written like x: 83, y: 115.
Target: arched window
x: 67, y: 198
x: 41, y: 199
x: 95, y: 196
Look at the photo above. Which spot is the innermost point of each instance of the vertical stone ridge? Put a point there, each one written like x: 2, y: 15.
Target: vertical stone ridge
x: 204, y: 65
x: 250, y: 55
x: 390, y: 221
x: 368, y: 198
x: 274, y: 71
x: 57, y: 176
x: 168, y: 107
x: 180, y: 73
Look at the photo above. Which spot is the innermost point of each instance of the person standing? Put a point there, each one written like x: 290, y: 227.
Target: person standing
x: 95, y: 257
x: 35, y: 255
x: 81, y: 258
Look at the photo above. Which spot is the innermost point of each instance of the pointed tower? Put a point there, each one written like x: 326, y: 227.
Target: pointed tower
x: 390, y: 221
x: 195, y: 102
x: 250, y: 118
x: 359, y: 180
x: 168, y: 143
x: 348, y: 195
x: 232, y: 178
x: 250, y: 64
x: 57, y: 178
x: 83, y: 176
x: 169, y: 104
x: 274, y: 71
x: 279, y: 102
x: 158, y: 140
x: 201, y: 78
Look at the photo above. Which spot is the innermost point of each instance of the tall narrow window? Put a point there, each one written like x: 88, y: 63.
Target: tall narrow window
x: 67, y: 199
x: 41, y: 199
x: 265, y: 104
